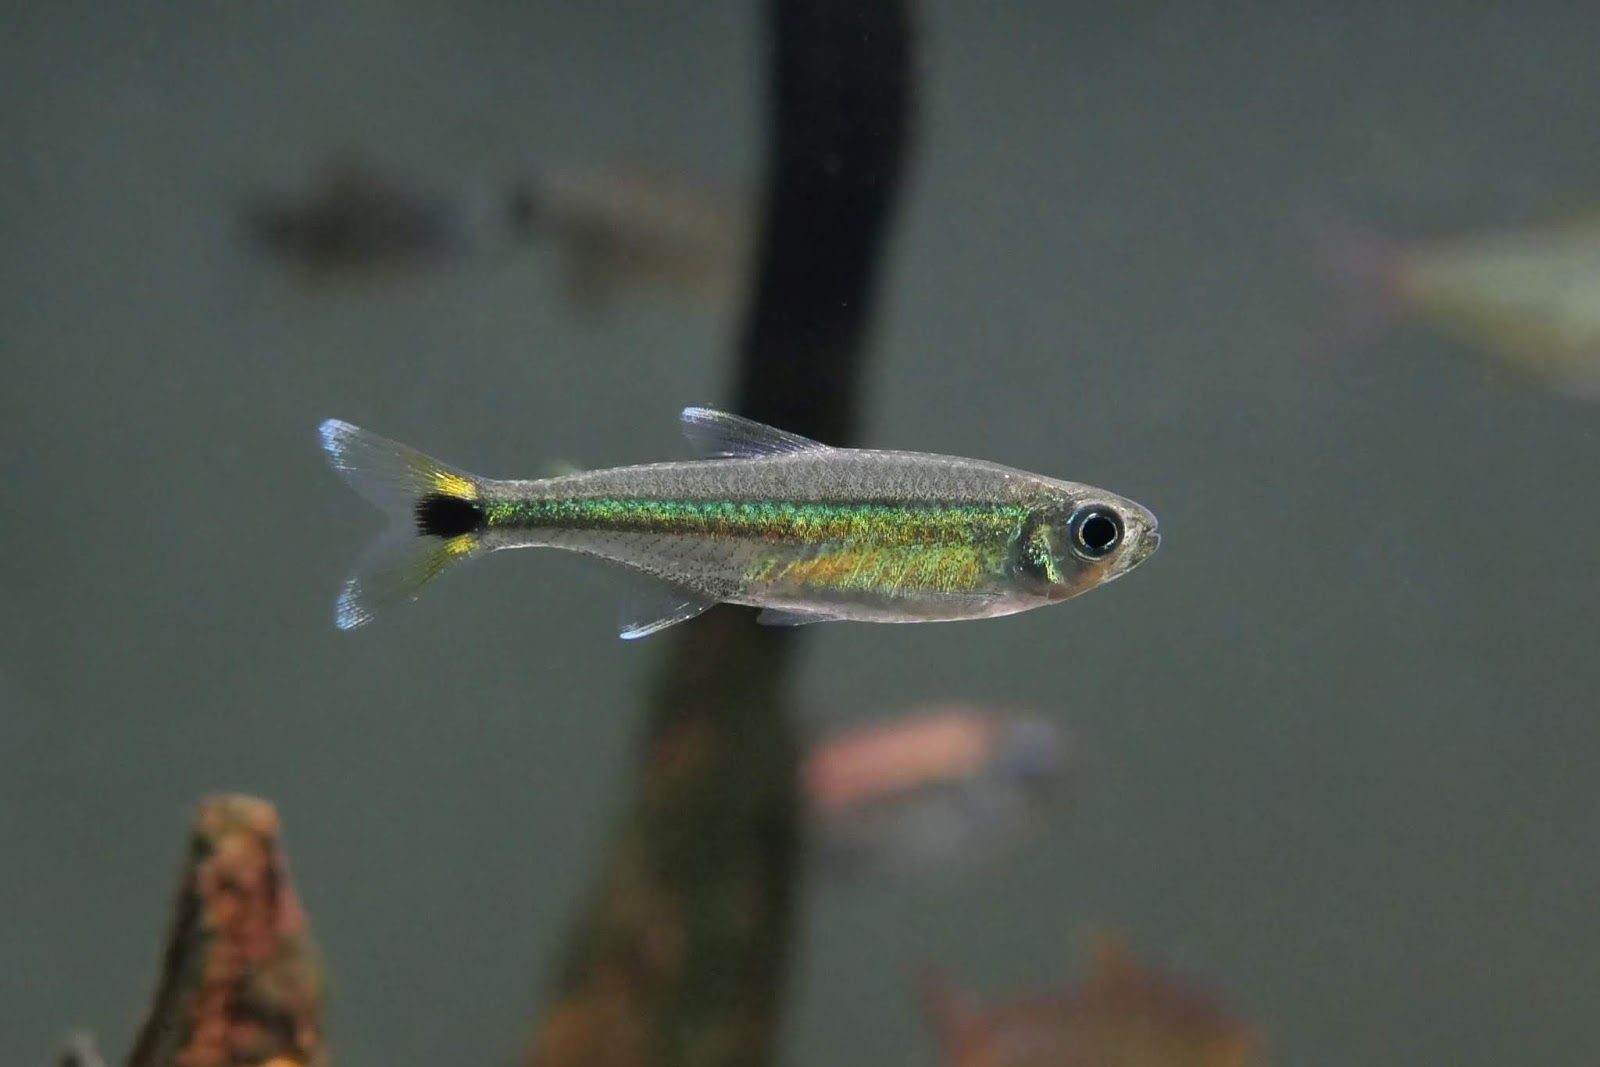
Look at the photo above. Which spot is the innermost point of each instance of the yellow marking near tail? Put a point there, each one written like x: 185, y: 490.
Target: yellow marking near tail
x: 448, y: 484
x: 445, y: 483
x: 432, y: 563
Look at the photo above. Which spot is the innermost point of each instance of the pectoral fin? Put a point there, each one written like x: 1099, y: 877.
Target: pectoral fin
x: 783, y: 617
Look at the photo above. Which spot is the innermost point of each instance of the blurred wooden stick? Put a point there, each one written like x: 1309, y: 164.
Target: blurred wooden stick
x: 240, y: 982
x: 680, y: 957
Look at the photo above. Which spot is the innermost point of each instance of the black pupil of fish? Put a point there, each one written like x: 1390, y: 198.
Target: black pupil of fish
x: 1097, y: 533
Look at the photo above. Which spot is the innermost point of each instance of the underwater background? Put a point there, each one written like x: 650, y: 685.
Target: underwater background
x: 1338, y: 737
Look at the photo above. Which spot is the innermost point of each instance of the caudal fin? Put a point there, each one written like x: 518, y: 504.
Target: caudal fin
x: 436, y: 518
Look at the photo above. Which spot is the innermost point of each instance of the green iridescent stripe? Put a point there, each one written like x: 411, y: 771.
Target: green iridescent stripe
x: 884, y: 525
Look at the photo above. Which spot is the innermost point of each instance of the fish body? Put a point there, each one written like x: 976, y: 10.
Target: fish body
x: 931, y: 790
x: 1125, y: 1015
x: 806, y: 532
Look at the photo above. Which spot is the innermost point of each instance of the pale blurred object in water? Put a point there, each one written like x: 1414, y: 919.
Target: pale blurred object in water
x: 1125, y: 1015
x: 1531, y: 296
x: 80, y: 1051
x: 358, y: 222
x: 938, y: 789
x: 620, y: 232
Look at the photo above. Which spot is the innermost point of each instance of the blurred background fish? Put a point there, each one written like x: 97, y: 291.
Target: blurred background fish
x: 1528, y: 296
x: 1125, y: 1015
x: 614, y: 233
x: 357, y: 220
x: 946, y: 787
x: 622, y: 232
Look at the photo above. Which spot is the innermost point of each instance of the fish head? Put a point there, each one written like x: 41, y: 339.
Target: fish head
x: 1082, y: 537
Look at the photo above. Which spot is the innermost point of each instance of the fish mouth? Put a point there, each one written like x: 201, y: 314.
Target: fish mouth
x: 1144, y: 549
x: 1137, y: 551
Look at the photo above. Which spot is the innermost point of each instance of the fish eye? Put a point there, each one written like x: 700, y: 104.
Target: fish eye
x: 1095, y: 530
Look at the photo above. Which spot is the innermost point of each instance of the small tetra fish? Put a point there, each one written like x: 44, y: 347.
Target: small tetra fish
x: 618, y: 231
x: 1531, y: 297
x: 931, y: 790
x: 772, y: 520
x: 1125, y: 1015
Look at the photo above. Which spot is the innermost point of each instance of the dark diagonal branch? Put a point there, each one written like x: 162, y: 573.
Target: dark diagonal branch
x: 841, y: 108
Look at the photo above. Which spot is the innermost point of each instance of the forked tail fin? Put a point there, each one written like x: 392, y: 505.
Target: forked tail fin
x: 436, y: 518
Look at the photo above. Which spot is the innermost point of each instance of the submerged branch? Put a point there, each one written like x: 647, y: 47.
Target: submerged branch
x: 842, y: 108
x: 240, y: 982
x: 680, y: 957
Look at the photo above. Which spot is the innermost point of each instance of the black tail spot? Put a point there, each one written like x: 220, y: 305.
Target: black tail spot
x: 447, y: 516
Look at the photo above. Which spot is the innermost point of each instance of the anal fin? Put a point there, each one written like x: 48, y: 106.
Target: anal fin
x: 394, y: 569
x: 656, y: 605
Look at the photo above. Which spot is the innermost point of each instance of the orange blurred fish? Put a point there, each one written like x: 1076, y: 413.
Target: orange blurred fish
x: 1125, y: 1015
x: 931, y: 789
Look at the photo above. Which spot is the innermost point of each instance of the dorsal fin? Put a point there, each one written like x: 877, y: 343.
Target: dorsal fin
x: 719, y: 435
